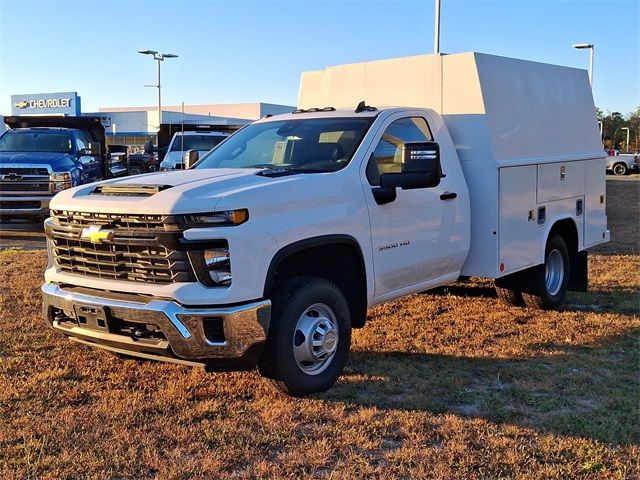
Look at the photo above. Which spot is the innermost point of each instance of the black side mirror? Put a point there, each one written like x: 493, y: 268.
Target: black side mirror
x: 94, y: 150
x: 189, y: 158
x: 420, y: 167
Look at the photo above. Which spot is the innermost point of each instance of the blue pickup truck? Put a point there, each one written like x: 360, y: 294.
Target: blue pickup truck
x: 40, y: 156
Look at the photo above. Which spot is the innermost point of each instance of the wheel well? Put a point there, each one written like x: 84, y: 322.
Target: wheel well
x: 340, y: 263
x: 567, y: 230
x: 578, y: 277
x: 578, y: 260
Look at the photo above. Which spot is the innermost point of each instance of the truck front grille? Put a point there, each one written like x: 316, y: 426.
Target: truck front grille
x: 128, y: 247
x: 16, y: 180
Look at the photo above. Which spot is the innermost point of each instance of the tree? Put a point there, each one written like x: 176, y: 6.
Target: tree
x: 613, y: 135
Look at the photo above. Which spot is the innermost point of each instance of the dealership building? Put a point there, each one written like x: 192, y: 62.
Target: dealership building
x: 136, y: 124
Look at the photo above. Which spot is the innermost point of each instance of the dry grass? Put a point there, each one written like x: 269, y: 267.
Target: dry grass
x: 437, y: 386
x: 449, y: 384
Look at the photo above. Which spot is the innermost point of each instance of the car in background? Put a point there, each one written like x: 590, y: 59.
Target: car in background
x: 623, y: 163
x: 185, y: 141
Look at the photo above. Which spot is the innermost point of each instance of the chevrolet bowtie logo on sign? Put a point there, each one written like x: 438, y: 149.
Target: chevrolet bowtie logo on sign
x: 96, y: 234
x: 22, y: 104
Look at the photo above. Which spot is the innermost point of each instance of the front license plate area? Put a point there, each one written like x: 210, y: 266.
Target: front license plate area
x: 92, y: 317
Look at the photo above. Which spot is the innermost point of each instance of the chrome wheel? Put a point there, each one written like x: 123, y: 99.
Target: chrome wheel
x: 315, y: 339
x: 554, y: 272
x: 619, y: 169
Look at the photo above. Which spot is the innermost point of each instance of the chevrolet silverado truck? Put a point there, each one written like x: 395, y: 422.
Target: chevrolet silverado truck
x: 40, y: 156
x: 623, y: 163
x: 270, y: 248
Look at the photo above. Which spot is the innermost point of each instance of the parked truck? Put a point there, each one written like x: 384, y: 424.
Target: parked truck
x: 269, y: 250
x: 43, y: 155
x: 182, y: 142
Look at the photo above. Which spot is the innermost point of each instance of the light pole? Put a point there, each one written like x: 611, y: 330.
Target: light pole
x: 626, y: 144
x: 436, y: 29
x: 591, y: 48
x: 159, y: 57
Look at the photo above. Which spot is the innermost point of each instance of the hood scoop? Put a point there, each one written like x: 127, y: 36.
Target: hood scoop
x: 129, y: 190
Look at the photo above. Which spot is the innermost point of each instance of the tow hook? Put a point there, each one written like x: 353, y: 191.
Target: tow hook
x: 141, y: 333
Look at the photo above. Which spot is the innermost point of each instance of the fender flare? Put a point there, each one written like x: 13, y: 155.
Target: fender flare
x: 305, y: 244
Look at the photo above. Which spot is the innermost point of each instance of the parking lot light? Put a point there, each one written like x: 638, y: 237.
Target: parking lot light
x: 158, y: 57
x: 591, y: 48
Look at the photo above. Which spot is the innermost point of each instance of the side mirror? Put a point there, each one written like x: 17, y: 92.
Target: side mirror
x: 189, y: 158
x: 420, y: 167
x: 94, y: 150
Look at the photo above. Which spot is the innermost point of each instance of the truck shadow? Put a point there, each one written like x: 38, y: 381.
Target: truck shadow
x: 613, y: 300
x: 578, y: 391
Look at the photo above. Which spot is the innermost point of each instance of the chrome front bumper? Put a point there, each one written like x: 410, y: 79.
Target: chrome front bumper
x: 24, y: 205
x: 182, y: 329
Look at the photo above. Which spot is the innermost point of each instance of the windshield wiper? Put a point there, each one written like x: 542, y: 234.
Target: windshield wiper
x: 283, y: 171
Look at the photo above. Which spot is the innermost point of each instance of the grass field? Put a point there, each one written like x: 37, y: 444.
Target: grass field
x: 450, y: 384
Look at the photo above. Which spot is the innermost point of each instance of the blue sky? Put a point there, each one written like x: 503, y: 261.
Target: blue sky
x: 246, y: 51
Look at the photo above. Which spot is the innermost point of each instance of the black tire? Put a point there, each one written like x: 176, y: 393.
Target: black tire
x: 510, y: 297
x: 550, y: 280
x: 294, y: 302
x: 135, y: 170
x: 620, y: 169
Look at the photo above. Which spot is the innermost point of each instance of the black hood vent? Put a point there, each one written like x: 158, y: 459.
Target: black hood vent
x: 129, y: 190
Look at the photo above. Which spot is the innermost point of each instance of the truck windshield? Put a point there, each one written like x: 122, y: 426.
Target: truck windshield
x: 306, y: 145
x: 35, y: 142
x: 203, y: 143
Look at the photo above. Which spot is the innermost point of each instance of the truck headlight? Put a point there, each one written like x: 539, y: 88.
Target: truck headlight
x: 60, y: 181
x: 218, y: 219
x: 218, y: 264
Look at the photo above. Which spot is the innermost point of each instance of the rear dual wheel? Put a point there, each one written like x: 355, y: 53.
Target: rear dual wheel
x: 549, y: 281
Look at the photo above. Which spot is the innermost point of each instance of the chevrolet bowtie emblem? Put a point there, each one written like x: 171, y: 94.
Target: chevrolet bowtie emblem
x: 22, y: 104
x: 95, y: 234
x: 14, y: 177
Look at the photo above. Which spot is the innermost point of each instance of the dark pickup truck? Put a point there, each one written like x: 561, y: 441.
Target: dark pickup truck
x: 137, y: 163
x: 40, y: 156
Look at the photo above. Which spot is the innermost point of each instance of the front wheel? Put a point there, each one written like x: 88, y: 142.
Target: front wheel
x: 620, y: 169
x: 551, y: 280
x: 309, y: 336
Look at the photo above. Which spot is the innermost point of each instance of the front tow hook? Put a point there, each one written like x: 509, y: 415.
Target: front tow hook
x: 141, y: 333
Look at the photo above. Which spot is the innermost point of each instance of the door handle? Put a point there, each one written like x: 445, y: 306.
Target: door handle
x: 448, y: 196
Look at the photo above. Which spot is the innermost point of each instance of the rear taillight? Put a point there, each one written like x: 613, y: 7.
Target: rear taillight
x: 153, y: 159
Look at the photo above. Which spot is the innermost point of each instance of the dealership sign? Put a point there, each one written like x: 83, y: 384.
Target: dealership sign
x: 61, y: 103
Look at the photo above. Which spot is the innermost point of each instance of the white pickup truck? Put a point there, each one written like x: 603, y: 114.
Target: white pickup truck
x: 271, y: 247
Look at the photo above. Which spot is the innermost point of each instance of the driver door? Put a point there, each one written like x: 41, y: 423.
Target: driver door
x: 415, y: 238
x: 91, y: 166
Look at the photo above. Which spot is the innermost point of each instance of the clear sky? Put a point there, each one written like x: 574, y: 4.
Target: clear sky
x: 245, y: 51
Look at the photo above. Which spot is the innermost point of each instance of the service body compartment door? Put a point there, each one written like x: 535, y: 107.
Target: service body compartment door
x: 518, y: 230
x: 595, y: 217
x: 557, y: 181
